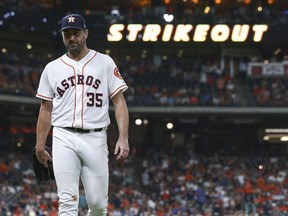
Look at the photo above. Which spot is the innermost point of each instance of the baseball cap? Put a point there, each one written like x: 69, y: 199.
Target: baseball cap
x: 75, y: 21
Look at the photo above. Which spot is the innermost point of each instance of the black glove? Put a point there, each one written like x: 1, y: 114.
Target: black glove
x: 42, y: 173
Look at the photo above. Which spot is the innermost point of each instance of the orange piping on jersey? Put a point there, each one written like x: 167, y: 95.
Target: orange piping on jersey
x: 82, y: 113
x: 44, y: 97
x: 120, y: 87
x: 74, y: 113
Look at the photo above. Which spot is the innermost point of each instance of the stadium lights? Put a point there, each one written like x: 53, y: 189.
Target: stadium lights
x: 276, y: 134
x: 108, y: 51
x: 168, y: 17
x: 28, y: 46
x: 275, y: 137
x: 145, y: 121
x: 284, y: 138
x: 207, y: 10
x: 276, y: 130
x: 115, y: 12
x: 169, y: 125
x: 138, y: 122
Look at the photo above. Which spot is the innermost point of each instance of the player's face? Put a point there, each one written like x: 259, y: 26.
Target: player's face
x: 74, y: 39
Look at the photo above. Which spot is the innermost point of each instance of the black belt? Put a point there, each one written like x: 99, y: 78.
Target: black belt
x: 80, y: 130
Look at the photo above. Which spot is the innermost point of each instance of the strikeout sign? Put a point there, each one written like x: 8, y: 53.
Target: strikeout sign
x: 186, y: 32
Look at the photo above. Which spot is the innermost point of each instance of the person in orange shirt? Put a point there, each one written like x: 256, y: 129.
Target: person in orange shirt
x: 125, y: 203
x: 248, y: 188
x: 18, y: 211
x: 3, y: 168
x: 53, y: 211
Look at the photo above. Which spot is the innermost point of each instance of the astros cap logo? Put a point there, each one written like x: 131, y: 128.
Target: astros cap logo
x: 71, y: 19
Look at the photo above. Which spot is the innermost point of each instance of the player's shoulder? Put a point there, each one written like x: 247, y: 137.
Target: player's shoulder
x: 103, y: 56
x: 53, y: 62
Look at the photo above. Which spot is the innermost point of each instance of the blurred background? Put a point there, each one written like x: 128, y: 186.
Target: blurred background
x: 207, y: 99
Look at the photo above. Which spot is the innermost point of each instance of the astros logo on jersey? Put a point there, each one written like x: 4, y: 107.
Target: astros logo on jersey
x: 117, y: 73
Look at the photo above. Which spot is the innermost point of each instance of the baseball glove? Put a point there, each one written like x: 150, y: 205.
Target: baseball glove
x: 42, y: 173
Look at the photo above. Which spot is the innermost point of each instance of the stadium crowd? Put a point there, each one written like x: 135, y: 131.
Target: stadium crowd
x: 150, y: 85
x: 173, y: 83
x: 167, y: 183
x: 270, y: 91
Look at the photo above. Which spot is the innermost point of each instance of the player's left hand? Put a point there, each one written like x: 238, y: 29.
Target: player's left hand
x: 122, y: 149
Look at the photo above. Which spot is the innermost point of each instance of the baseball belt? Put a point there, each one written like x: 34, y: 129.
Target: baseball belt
x: 80, y: 130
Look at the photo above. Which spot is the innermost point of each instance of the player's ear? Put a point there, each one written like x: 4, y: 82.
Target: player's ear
x: 86, y: 32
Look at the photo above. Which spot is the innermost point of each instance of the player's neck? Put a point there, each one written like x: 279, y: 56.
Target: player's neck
x: 80, y: 55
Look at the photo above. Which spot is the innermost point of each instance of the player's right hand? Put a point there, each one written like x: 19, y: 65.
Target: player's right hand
x: 43, y: 156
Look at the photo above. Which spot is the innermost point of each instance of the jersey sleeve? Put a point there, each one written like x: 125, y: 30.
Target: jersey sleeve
x: 115, y: 80
x: 44, y: 90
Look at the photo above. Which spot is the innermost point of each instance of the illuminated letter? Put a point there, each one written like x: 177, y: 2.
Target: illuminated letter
x: 201, y: 32
x: 220, y: 33
x: 151, y: 32
x: 240, y: 33
x: 259, y: 31
x: 133, y: 31
x: 167, y: 32
x: 181, y: 33
x: 114, y: 32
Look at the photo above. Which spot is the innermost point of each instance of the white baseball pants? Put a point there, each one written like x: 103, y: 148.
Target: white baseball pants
x: 85, y: 156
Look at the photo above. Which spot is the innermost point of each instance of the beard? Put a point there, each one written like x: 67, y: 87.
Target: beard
x: 74, y: 48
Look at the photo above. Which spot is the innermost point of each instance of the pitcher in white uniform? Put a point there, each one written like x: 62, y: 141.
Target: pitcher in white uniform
x: 75, y: 91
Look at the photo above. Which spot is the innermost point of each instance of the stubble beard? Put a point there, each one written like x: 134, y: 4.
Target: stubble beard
x: 74, y: 48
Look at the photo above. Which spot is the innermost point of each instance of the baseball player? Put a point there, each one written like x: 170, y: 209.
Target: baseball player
x: 75, y: 90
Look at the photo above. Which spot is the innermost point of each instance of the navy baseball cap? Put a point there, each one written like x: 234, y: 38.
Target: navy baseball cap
x: 75, y: 21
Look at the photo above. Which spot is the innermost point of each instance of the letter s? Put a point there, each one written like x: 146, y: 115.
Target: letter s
x: 96, y: 84
x: 65, y: 84
x: 114, y: 32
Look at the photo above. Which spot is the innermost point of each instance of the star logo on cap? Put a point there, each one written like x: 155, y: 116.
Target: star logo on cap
x: 71, y: 19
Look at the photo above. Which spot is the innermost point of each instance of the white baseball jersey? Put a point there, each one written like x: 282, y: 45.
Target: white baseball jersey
x: 81, y: 90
